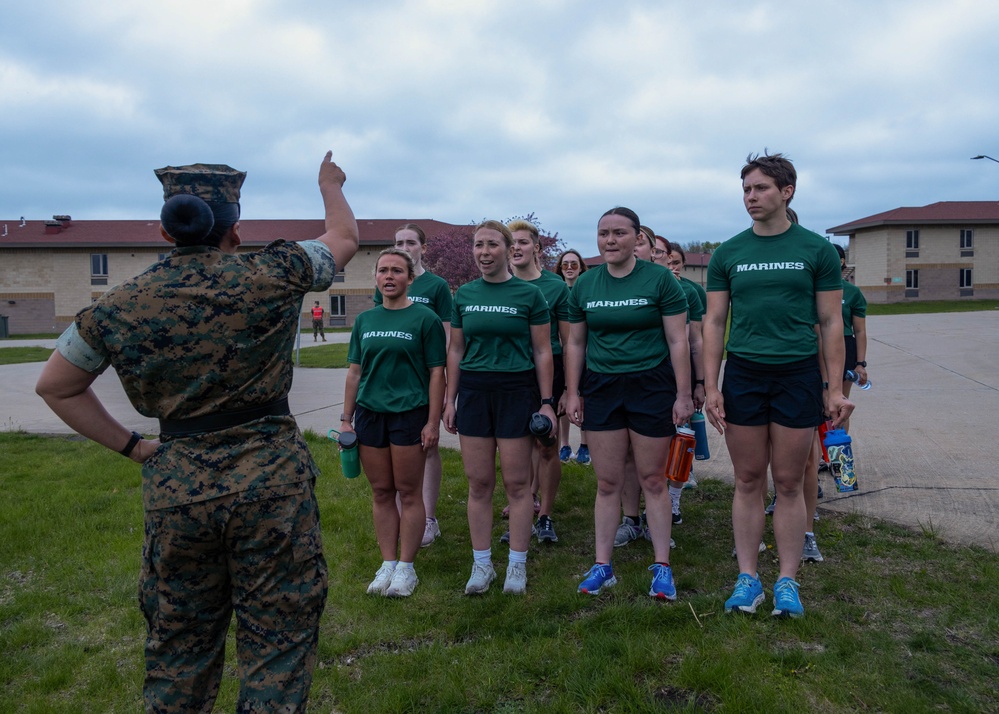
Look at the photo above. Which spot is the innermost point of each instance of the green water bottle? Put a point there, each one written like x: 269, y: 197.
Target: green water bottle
x: 350, y: 462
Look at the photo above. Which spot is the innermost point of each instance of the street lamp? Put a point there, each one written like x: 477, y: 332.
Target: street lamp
x: 983, y: 156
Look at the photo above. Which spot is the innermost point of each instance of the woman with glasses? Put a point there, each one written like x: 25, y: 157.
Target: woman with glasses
x: 569, y: 267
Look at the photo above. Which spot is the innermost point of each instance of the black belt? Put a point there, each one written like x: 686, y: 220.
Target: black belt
x: 222, y: 420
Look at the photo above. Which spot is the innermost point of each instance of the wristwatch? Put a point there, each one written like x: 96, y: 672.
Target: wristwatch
x: 862, y: 364
x: 550, y: 401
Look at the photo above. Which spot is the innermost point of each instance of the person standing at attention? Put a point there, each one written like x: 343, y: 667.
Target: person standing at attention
x: 569, y: 266
x: 545, y: 466
x: 499, y: 372
x: 395, y: 393
x: 627, y: 320
x: 433, y: 291
x: 317, y: 322
x: 780, y: 280
x: 202, y: 340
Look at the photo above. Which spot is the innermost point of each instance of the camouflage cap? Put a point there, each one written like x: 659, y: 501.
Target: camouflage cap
x: 213, y: 183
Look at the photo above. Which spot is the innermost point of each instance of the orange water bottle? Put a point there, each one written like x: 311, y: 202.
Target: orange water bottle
x: 681, y: 454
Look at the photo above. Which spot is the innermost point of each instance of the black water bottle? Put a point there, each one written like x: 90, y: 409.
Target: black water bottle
x: 541, y: 427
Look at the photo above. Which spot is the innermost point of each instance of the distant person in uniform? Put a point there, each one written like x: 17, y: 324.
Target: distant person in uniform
x: 317, y: 322
x: 202, y: 341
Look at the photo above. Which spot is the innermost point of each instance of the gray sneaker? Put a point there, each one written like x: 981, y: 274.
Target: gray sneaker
x: 383, y: 578
x: 629, y: 530
x: 430, y: 533
x: 769, y: 510
x: 403, y: 583
x: 545, y: 530
x: 763, y: 549
x: 811, y: 550
x: 482, y: 576
x: 516, y: 579
x: 505, y: 538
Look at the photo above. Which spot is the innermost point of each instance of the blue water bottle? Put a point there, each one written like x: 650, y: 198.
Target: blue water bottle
x: 350, y: 462
x: 839, y: 446
x: 851, y: 376
x: 699, y: 425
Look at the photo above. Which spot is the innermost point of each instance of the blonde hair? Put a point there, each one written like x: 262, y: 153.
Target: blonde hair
x: 522, y: 225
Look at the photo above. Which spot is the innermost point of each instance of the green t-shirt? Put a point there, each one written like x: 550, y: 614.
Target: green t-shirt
x: 695, y: 310
x: 430, y: 290
x: 624, y: 316
x: 701, y: 296
x: 396, y: 349
x: 496, y: 319
x: 556, y: 292
x: 854, y: 305
x: 772, y: 282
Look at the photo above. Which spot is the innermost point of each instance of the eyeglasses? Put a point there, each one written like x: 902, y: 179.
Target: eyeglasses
x: 659, y: 253
x: 572, y: 264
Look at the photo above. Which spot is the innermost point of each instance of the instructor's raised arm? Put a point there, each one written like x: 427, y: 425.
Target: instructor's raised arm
x: 341, y: 229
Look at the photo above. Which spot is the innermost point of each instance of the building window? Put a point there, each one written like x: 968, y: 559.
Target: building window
x: 967, y: 242
x: 98, y: 269
x: 912, y: 243
x: 964, y: 282
x: 912, y: 283
x: 338, y: 310
x: 339, y: 277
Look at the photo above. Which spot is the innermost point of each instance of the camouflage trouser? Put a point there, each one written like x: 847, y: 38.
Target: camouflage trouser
x: 260, y: 555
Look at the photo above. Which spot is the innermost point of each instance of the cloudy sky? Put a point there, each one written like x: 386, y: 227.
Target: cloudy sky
x: 460, y: 110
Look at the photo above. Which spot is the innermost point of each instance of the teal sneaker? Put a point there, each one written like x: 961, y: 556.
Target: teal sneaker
x: 662, y: 582
x: 748, y: 594
x: 599, y: 577
x: 786, y: 600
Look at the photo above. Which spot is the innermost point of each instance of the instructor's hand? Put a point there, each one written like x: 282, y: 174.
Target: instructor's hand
x: 329, y: 173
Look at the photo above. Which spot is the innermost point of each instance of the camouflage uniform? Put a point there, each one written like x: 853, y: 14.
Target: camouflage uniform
x: 231, y: 518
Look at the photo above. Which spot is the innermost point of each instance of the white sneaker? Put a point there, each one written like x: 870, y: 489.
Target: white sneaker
x: 516, y: 579
x: 482, y: 576
x: 430, y: 532
x: 691, y: 482
x: 382, y: 580
x: 403, y: 583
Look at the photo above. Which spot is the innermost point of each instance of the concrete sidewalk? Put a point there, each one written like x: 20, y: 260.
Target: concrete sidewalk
x: 925, y: 436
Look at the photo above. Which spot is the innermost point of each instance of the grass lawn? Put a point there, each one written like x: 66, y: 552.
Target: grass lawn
x: 926, y: 306
x: 331, y: 356
x: 17, y: 355
x: 896, y: 620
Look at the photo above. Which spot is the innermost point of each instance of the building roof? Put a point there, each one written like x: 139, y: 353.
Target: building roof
x: 67, y: 233
x: 942, y: 212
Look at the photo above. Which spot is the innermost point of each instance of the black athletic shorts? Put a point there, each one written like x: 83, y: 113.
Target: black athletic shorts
x: 640, y: 401
x: 497, y: 404
x: 788, y: 394
x: 558, y: 379
x: 379, y: 429
x: 850, y: 362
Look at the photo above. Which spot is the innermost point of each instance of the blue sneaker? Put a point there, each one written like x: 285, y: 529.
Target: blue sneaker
x: 583, y: 454
x: 564, y: 454
x: 662, y: 582
x: 748, y: 594
x: 599, y: 577
x: 786, y: 600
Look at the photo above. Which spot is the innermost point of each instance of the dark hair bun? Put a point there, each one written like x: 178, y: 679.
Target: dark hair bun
x: 187, y: 219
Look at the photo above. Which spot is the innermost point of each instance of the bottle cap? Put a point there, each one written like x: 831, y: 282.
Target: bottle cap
x: 347, y: 440
x: 685, y: 430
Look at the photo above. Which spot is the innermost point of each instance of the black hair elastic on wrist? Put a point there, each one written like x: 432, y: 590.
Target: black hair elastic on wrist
x: 187, y: 219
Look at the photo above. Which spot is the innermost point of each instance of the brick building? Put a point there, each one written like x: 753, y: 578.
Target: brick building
x: 944, y: 251
x: 49, y: 270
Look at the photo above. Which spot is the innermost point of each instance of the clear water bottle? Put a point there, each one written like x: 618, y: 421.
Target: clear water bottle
x: 541, y: 427
x: 701, y: 450
x: 851, y: 376
x: 350, y: 462
x: 681, y: 454
x: 840, y: 447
